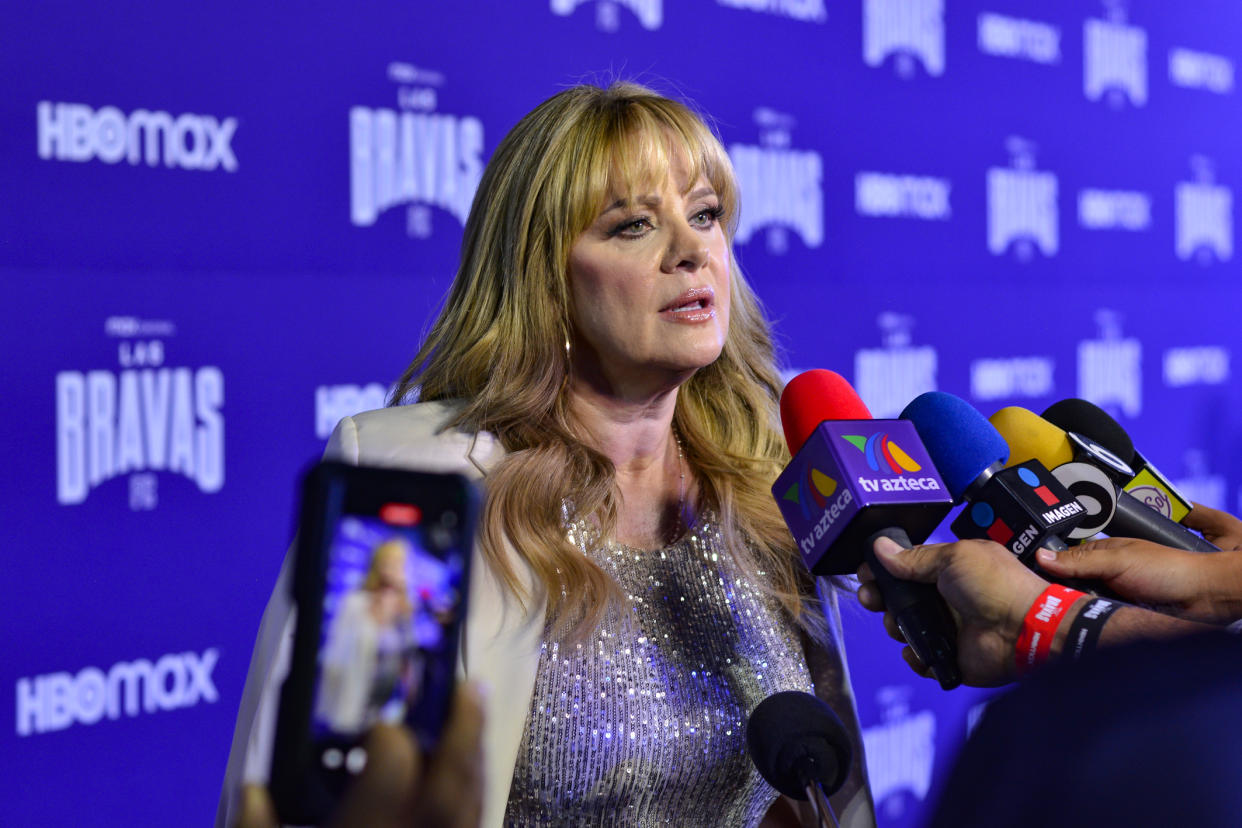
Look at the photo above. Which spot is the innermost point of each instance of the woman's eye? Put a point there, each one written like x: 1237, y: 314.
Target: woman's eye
x: 707, y: 217
x: 632, y: 227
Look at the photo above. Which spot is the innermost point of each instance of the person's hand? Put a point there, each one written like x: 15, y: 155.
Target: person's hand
x: 1196, y: 586
x: 396, y: 789
x: 1221, y: 528
x: 988, y: 592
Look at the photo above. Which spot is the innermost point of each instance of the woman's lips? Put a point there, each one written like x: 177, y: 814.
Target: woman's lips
x: 695, y: 305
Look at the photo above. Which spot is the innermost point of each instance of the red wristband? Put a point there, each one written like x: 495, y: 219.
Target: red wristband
x: 1040, y: 624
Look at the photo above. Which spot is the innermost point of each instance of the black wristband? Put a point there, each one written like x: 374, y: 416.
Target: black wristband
x: 1084, y: 633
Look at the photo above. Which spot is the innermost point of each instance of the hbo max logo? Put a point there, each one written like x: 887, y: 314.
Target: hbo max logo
x: 75, y: 132
x: 55, y: 701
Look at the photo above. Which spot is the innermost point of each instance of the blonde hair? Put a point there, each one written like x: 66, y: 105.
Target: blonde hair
x: 395, y: 549
x: 501, y: 345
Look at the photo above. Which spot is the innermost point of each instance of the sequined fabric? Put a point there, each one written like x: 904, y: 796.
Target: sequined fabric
x: 645, y: 724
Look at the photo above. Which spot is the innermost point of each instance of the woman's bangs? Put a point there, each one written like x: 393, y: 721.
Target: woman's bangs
x: 634, y: 153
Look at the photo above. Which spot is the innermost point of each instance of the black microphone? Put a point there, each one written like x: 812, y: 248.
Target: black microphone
x: 1148, y: 485
x: 1073, y: 459
x: 853, y: 479
x: 801, y: 748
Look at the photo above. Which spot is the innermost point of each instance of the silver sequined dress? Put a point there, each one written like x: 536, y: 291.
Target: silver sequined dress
x: 645, y: 723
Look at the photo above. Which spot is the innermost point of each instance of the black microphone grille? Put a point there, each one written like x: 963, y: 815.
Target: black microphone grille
x: 794, y: 739
x: 1089, y: 420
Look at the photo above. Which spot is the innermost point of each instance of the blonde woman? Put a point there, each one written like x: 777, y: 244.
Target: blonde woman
x: 369, y: 645
x: 603, y: 367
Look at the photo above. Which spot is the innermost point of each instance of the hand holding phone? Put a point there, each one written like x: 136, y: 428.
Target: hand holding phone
x: 401, y: 786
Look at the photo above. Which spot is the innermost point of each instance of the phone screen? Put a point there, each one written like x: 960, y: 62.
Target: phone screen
x: 380, y: 582
x: 392, y: 596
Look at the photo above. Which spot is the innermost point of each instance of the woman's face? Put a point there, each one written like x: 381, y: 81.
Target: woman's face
x: 649, y: 285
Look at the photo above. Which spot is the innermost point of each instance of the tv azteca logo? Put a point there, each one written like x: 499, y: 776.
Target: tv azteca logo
x: 890, y: 461
x: 818, y: 486
x: 883, y: 455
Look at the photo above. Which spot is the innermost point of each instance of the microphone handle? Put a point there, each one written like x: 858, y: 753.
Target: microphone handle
x: 1135, y: 519
x: 819, y: 803
x: 921, y: 614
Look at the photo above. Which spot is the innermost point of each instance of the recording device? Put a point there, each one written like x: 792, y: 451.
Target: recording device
x: 1148, y: 485
x: 380, y: 580
x: 1022, y: 507
x: 853, y: 479
x: 800, y: 746
x: 1093, y: 474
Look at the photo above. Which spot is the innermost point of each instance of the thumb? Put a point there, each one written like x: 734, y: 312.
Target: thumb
x: 922, y: 563
x: 1218, y: 527
x: 388, y: 785
x: 1093, y: 559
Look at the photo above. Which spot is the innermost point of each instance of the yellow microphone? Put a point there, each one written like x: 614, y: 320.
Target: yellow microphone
x: 1031, y: 437
x: 1094, y: 475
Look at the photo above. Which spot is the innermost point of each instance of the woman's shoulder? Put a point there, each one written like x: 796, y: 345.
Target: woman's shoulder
x: 420, y: 420
x: 416, y: 436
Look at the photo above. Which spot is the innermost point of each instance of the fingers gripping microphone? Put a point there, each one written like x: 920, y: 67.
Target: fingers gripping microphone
x: 1031, y: 436
x: 853, y: 479
x: 1148, y: 485
x: 800, y: 747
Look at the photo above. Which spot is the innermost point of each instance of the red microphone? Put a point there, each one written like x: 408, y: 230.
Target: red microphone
x: 812, y: 397
x: 852, y: 479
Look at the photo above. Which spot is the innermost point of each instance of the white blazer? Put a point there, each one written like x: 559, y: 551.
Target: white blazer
x: 500, y: 646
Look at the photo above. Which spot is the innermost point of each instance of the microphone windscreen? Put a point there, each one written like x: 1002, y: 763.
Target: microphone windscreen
x: 814, y: 396
x: 1089, y: 420
x: 790, y: 730
x: 960, y: 441
x: 1031, y: 437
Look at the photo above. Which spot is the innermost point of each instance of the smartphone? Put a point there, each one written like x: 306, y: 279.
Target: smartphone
x: 380, y: 581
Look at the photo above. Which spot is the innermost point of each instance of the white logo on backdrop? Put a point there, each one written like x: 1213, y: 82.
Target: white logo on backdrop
x: 808, y: 11
x: 901, y: 751
x: 1114, y: 60
x: 1113, y: 210
x: 413, y: 156
x: 146, y: 417
x: 781, y: 186
x: 55, y: 701
x: 909, y: 196
x: 1200, y: 70
x: 906, y: 29
x: 1013, y: 37
x: 1199, y: 484
x: 1022, y: 205
x: 998, y: 379
x: 650, y: 13
x: 335, y: 402
x: 888, y: 378
x: 1200, y: 365
x: 76, y: 132
x: 1110, y: 368
x: 1203, y: 214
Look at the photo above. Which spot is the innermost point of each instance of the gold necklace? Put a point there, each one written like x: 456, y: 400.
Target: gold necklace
x: 680, y: 527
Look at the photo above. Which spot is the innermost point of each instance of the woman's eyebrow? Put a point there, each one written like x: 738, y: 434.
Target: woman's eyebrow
x: 654, y: 199
x: 649, y: 200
